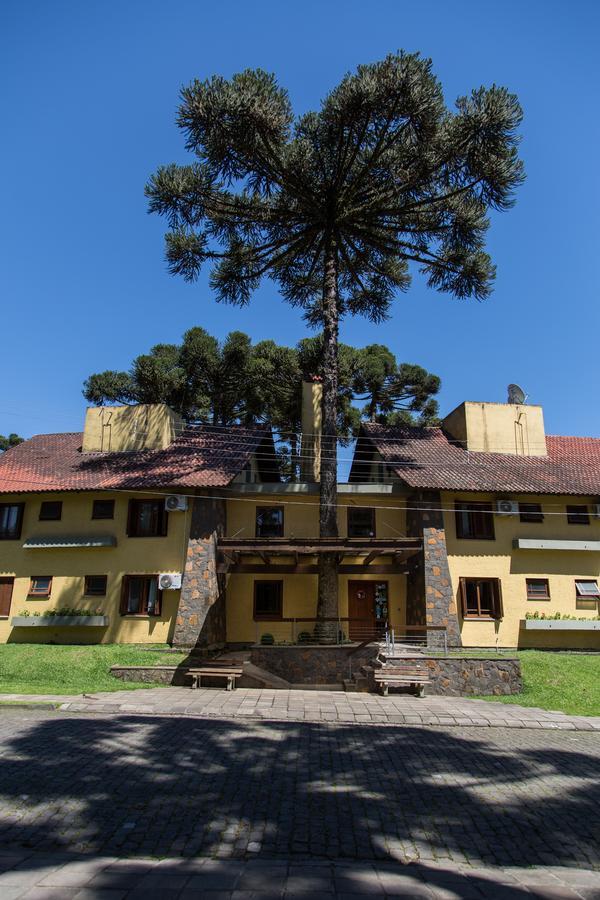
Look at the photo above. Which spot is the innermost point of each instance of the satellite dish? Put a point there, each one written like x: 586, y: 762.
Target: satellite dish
x: 516, y: 394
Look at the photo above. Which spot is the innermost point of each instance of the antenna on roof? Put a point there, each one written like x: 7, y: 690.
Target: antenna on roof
x: 516, y: 395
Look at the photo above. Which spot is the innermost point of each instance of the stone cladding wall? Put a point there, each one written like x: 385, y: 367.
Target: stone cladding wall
x: 201, y: 614
x: 311, y: 665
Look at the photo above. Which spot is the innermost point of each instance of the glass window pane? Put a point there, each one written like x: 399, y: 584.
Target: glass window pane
x: 134, y: 595
x: 269, y: 521
x: 152, y: 596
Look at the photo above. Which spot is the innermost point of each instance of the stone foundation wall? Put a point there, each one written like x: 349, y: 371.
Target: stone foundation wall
x: 200, y: 618
x: 461, y: 676
x: 311, y: 665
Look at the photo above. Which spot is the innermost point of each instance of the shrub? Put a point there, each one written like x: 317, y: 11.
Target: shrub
x: 267, y: 639
x: 305, y: 637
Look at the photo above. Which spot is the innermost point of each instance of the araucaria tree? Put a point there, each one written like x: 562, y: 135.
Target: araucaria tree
x: 336, y: 205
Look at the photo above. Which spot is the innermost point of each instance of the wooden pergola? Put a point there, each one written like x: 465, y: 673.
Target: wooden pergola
x: 301, y: 555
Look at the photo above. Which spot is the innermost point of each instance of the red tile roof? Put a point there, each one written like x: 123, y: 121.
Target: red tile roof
x: 427, y: 458
x: 201, y: 457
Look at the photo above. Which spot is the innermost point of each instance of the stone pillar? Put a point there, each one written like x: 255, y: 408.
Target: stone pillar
x: 201, y: 614
x: 430, y: 597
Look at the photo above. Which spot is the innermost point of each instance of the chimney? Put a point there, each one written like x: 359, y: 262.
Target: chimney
x: 310, y: 463
x: 509, y: 428
x: 119, y: 429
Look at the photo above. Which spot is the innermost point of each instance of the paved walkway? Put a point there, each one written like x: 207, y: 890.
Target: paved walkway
x: 318, y: 706
x: 31, y: 875
x: 157, y: 786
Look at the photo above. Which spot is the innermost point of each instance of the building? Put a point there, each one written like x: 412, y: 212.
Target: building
x: 467, y: 530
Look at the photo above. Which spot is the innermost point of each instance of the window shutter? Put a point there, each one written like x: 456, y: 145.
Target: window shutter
x: 158, y: 602
x: 6, y: 589
x: 124, y: 589
x: 498, y: 606
x: 462, y: 590
x: 130, y: 514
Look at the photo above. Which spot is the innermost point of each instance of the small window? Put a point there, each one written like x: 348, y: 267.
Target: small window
x: 586, y: 594
x: 140, y: 595
x: 6, y: 589
x: 103, y: 509
x: 11, y: 521
x: 269, y: 521
x: 474, y: 520
x: 147, y: 518
x: 268, y: 599
x: 538, y: 588
x: 50, y: 510
x: 578, y: 515
x: 481, y: 598
x: 531, y: 512
x: 95, y: 585
x: 361, y: 522
x: 40, y: 586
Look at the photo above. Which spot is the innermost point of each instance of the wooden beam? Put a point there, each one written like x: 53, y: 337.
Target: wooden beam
x: 372, y: 555
x: 306, y: 569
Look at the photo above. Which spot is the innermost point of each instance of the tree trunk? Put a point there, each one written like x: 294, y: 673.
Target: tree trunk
x: 327, y: 602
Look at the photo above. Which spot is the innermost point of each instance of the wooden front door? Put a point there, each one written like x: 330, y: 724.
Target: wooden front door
x: 361, y: 605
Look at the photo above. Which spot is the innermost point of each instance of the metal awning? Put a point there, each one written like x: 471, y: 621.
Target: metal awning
x: 67, y: 542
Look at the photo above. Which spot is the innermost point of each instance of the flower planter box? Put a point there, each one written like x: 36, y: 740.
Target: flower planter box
x: 58, y: 621
x: 560, y: 625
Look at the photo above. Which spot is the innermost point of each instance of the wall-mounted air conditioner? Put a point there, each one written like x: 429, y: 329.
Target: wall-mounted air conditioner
x: 176, y: 503
x: 507, y: 507
x: 169, y: 581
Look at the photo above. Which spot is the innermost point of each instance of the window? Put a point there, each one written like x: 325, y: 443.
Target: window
x: 140, y: 596
x: 578, y: 515
x: 6, y: 589
x: 474, y: 520
x: 95, y: 585
x: 361, y: 522
x: 531, y: 512
x: 269, y: 521
x: 537, y: 588
x: 40, y: 586
x: 50, y: 510
x: 103, y: 509
x: 11, y: 521
x: 268, y: 599
x: 481, y: 598
x: 147, y: 518
x: 586, y: 594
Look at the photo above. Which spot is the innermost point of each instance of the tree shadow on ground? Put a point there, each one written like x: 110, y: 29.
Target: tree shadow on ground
x: 176, y: 787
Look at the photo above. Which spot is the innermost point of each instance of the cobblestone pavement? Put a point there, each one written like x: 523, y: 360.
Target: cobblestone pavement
x: 239, y: 789
x: 34, y: 875
x: 320, y: 706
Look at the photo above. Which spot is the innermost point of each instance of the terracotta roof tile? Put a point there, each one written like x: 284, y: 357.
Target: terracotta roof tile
x: 427, y: 458
x: 201, y: 457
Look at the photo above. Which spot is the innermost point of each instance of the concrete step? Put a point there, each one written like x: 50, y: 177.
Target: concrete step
x: 254, y: 676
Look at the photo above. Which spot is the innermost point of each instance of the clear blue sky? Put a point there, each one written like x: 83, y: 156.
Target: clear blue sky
x: 88, y: 95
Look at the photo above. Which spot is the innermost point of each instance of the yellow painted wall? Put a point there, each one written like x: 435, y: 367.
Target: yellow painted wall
x: 498, y: 559
x: 301, y: 514
x: 299, y: 600
x: 69, y: 567
x: 145, y: 426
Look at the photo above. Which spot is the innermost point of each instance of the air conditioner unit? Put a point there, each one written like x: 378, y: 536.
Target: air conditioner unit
x: 507, y: 507
x: 169, y: 581
x: 596, y: 510
x: 176, y: 502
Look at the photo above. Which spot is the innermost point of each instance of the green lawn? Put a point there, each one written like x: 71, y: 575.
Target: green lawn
x: 61, y: 669
x: 569, y: 682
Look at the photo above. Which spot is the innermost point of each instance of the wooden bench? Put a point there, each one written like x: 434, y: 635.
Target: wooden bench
x: 231, y: 673
x: 404, y: 674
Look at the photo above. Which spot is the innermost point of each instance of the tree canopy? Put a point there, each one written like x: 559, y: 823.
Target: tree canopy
x: 236, y: 381
x: 337, y: 205
x: 10, y: 441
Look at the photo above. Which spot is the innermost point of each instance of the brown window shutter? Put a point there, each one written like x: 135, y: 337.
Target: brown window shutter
x: 124, y: 587
x: 6, y: 589
x: 130, y: 509
x: 498, y: 606
x: 462, y: 590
